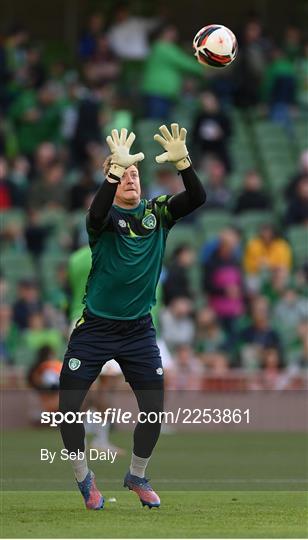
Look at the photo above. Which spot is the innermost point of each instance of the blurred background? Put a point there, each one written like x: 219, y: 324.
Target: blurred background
x: 232, y: 307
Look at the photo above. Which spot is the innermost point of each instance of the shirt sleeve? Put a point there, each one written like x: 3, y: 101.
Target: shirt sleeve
x: 162, y: 210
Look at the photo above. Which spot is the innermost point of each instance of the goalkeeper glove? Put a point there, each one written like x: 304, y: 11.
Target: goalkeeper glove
x: 174, y: 144
x: 121, y: 159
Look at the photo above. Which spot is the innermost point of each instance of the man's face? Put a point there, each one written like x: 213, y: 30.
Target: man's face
x: 128, y: 191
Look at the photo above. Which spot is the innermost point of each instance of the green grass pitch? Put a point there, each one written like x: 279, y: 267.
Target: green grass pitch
x: 183, y: 514
x: 230, y: 485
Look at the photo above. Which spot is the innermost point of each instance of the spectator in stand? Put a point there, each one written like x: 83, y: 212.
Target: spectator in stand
x: 252, y: 196
x: 223, y: 281
x: 28, y: 302
x: 212, y: 130
x: 163, y: 183
x: 251, y: 64
x: 292, y: 42
x: 302, y: 79
x: 297, y: 350
x: 87, y: 42
x: 275, y: 283
x: 82, y: 189
x: 36, y: 116
x: 44, y: 374
x: 271, y: 377
x: 218, y: 195
x: 6, y: 187
x: 302, y: 171
x: 257, y: 335
x: 35, y: 68
x: 50, y: 191
x: 212, y: 244
x: 267, y: 251
x: 37, y: 335
x: 129, y: 34
x: 168, y: 63
x: 102, y: 67
x: 15, y: 48
x: 211, y: 341
x: 297, y: 211
x: 279, y: 88
x: 45, y: 155
x: 289, y: 310
x: 8, y: 335
x: 19, y: 179
x: 88, y: 130
x: 36, y: 234
x: 177, y: 326
x: 4, y: 288
x: 188, y: 369
x: 177, y: 282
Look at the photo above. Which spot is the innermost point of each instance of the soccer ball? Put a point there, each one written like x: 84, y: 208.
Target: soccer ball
x: 215, y: 45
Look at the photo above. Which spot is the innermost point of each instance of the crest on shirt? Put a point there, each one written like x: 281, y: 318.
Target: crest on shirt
x: 149, y: 221
x: 122, y: 223
x: 74, y: 363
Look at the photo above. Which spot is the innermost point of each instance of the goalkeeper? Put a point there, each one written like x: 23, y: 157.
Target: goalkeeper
x: 127, y: 237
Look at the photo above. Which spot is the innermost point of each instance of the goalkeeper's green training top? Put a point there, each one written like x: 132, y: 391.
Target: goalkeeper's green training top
x: 128, y: 247
x: 127, y: 254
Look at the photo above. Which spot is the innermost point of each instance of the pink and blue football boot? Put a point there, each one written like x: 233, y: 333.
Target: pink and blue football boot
x: 144, y: 490
x: 92, y: 496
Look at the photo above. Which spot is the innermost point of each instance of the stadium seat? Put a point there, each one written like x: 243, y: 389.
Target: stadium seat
x: 17, y: 266
x: 14, y: 216
x: 181, y: 234
x: 298, y: 238
x: 250, y: 222
x: 49, y: 265
x: 212, y: 222
x: 301, y: 134
x: 146, y: 129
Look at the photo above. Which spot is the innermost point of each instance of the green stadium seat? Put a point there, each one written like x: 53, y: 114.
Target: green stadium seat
x: 14, y: 216
x: 298, y: 238
x: 181, y: 234
x: 49, y: 266
x: 301, y: 134
x: 212, y: 222
x: 250, y: 222
x: 56, y: 217
x: 24, y: 357
x: 17, y: 266
x: 235, y: 181
x: 146, y: 129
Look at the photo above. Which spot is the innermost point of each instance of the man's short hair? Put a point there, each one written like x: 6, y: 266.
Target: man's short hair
x: 107, y: 164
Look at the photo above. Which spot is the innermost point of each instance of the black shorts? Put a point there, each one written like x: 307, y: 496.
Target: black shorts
x: 132, y: 343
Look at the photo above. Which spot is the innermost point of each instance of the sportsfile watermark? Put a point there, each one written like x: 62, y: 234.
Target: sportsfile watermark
x: 181, y: 415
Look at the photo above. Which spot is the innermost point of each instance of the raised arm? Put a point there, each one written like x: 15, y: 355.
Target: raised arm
x: 120, y: 159
x: 194, y: 195
x: 176, y: 152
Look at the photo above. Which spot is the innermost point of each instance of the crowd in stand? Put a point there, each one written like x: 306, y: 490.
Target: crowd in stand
x: 250, y: 309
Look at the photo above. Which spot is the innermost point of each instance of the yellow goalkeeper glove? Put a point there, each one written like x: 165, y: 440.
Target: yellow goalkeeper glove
x: 174, y: 144
x: 121, y: 158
